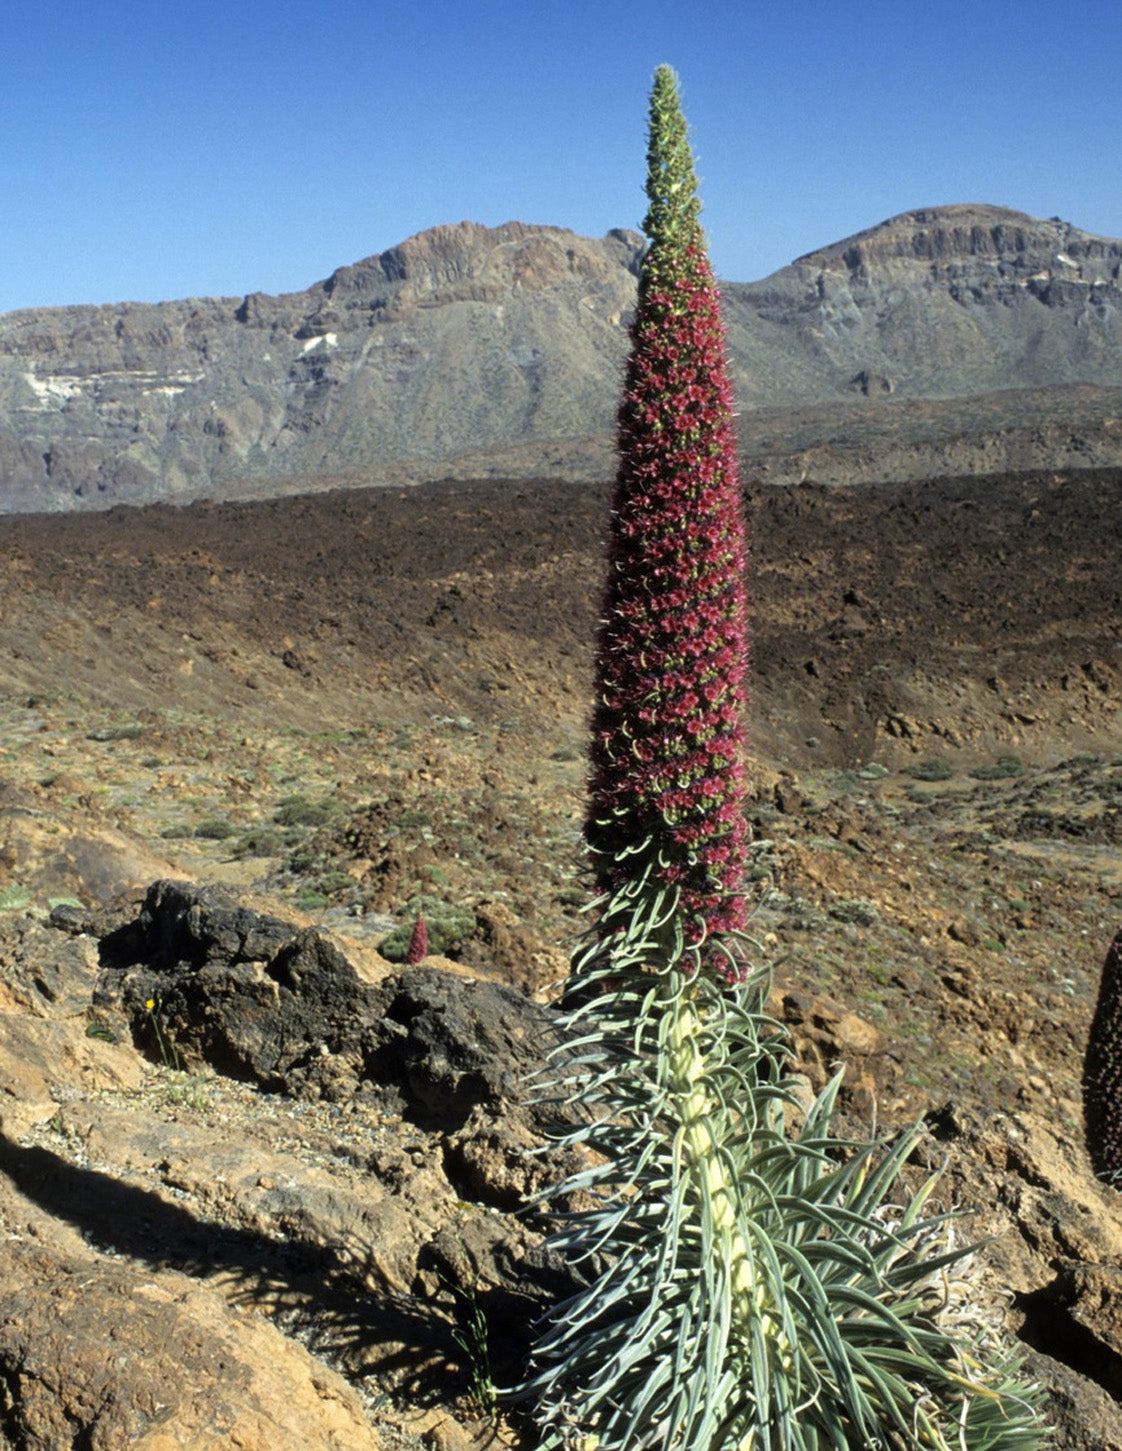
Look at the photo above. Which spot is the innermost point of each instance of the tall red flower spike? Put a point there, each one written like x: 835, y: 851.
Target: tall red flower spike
x: 668, y: 729
x: 418, y: 942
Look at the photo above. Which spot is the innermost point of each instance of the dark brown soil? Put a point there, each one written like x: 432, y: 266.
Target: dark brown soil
x: 966, y: 612
x: 366, y: 701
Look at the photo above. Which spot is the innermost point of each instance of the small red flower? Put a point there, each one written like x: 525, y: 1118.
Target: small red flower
x: 418, y: 943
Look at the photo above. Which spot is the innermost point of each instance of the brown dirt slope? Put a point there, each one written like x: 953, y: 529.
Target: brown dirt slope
x: 350, y: 706
x: 964, y: 611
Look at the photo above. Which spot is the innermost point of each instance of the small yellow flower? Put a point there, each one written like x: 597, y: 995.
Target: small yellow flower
x: 150, y: 1004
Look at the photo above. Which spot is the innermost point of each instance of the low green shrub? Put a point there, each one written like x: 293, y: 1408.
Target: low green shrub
x: 300, y: 810
x: 130, y: 731
x: 412, y: 819
x: 261, y: 843
x: 858, y: 911
x: 215, y: 829
x: 1004, y: 768
x: 304, y: 859
x: 932, y: 768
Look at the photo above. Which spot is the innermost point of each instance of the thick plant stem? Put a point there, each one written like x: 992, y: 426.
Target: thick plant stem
x: 714, y: 1184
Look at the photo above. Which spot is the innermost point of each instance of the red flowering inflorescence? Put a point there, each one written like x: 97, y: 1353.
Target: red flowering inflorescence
x: 668, y: 730
x: 418, y: 942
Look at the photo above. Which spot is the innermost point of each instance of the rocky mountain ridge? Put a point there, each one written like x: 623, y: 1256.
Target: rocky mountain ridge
x: 470, y: 350
x: 434, y: 347
x: 940, y: 302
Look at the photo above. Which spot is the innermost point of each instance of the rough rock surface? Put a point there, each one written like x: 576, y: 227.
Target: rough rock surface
x: 251, y: 998
x: 983, y: 297
x: 94, y: 1355
x: 190, y: 1260
x: 382, y: 362
x: 473, y: 351
x: 1054, y: 1255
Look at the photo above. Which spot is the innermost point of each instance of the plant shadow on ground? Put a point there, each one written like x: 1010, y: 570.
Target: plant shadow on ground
x: 332, y: 1299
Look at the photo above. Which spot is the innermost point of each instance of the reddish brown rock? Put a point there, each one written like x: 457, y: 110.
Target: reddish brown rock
x: 94, y: 1354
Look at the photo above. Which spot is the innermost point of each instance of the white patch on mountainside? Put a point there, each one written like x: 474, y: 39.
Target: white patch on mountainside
x: 53, y: 391
x: 56, y: 390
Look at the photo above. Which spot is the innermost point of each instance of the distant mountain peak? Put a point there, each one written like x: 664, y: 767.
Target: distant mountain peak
x: 445, y: 260
x: 964, y: 230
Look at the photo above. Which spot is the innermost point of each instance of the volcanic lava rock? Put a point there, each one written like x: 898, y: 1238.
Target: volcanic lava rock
x: 204, y: 981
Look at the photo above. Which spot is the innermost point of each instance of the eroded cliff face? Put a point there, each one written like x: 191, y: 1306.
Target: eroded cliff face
x: 943, y: 302
x: 951, y: 236
x: 463, y: 337
x: 503, y: 347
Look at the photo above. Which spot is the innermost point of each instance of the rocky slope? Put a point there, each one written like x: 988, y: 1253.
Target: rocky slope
x: 460, y: 337
x: 948, y: 301
x: 469, y: 351
x: 256, y: 1178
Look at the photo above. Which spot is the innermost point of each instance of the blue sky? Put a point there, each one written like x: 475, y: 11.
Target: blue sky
x: 154, y: 149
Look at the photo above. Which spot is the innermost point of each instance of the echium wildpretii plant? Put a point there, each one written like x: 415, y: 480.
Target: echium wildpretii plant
x: 1102, y: 1073
x: 668, y: 731
x: 418, y: 947
x: 746, y: 1289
